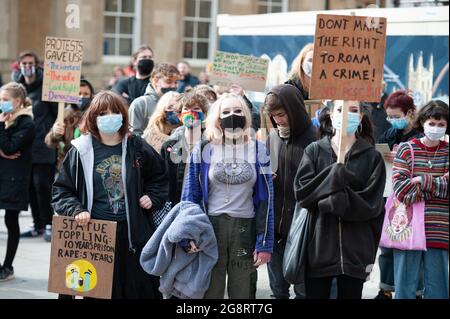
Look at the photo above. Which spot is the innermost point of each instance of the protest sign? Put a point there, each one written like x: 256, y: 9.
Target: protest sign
x: 248, y: 71
x: 348, y: 58
x: 62, y: 72
x: 82, y: 258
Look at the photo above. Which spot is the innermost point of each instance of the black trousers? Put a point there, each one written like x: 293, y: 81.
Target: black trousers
x: 347, y: 287
x: 42, y: 177
x: 12, y: 225
x: 130, y: 281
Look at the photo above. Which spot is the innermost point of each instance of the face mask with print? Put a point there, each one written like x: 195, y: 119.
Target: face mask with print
x: 307, y: 68
x: 172, y: 118
x: 109, y: 124
x: 399, y: 124
x: 6, y: 107
x: 434, y: 133
x: 352, y: 122
x: 27, y: 71
x: 191, y: 119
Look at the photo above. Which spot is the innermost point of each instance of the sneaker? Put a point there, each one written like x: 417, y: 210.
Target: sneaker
x: 32, y: 232
x: 384, y: 294
x: 48, y: 233
x: 6, y: 273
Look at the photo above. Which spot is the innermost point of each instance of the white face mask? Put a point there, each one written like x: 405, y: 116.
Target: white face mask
x: 434, y: 133
x: 307, y: 68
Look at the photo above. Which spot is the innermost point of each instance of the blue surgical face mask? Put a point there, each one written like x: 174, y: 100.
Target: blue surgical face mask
x: 352, y: 122
x: 399, y: 124
x: 172, y: 118
x: 109, y: 124
x: 6, y: 107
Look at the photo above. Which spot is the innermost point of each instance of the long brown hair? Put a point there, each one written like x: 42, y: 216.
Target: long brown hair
x: 103, y: 102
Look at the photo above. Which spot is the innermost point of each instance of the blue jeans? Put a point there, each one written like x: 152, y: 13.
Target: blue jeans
x: 386, y: 263
x: 407, y: 264
x: 278, y: 285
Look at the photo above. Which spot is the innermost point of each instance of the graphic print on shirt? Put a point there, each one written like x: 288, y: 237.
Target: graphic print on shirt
x: 110, y: 171
x: 233, y: 173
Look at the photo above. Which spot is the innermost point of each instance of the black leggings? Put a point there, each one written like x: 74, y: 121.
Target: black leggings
x: 12, y: 224
x: 348, y: 287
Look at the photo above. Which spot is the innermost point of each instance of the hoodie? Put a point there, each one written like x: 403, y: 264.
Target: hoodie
x: 141, y: 109
x: 286, y: 154
x: 346, y: 206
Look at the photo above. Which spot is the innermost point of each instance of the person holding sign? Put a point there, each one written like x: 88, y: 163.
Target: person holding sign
x: 345, y: 203
x: 229, y: 176
x: 112, y: 175
x: 16, y: 138
x: 430, y: 184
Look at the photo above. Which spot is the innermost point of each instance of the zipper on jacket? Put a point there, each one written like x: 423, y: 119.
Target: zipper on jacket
x: 268, y: 206
x: 127, y: 208
x: 200, y: 183
x: 340, y: 246
x: 284, y: 193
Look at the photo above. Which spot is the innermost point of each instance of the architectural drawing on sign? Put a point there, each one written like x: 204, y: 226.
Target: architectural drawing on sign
x: 420, y: 79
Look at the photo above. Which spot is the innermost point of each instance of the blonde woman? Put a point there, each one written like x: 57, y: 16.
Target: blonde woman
x: 163, y: 121
x: 229, y: 176
x: 17, y: 133
x: 300, y: 75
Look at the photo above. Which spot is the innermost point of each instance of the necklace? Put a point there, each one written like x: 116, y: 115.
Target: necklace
x: 430, y: 162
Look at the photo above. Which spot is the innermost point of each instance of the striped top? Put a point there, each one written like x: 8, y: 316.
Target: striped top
x: 433, y: 188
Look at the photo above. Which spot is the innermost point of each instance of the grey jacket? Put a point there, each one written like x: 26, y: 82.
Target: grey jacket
x: 141, y: 109
x: 183, y: 275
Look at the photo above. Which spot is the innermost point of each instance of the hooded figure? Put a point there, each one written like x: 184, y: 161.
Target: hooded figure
x: 286, y: 145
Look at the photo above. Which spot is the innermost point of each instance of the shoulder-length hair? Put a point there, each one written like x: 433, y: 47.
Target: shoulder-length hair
x: 435, y: 109
x: 103, y: 102
x: 158, y: 118
x: 213, y: 131
x: 297, y: 70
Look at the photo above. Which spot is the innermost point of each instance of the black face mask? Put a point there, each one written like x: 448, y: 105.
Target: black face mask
x: 84, y: 103
x: 145, y: 67
x: 233, y: 122
x: 165, y: 90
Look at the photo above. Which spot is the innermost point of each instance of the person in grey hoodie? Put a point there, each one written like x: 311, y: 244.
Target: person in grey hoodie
x: 183, y: 274
x: 163, y: 79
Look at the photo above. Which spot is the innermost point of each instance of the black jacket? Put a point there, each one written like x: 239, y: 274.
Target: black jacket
x: 15, y: 174
x: 296, y: 83
x: 145, y: 175
x: 256, y: 119
x: 286, y: 155
x: 377, y: 115
x: 175, y: 154
x: 393, y: 136
x: 346, y: 207
x: 132, y: 87
x: 44, y: 114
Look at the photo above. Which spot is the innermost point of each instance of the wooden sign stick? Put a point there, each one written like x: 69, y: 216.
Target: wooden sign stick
x: 60, y: 118
x: 341, y: 151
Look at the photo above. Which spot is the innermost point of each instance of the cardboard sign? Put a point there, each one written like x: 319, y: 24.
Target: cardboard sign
x: 248, y: 71
x: 82, y: 258
x: 62, y: 70
x: 348, y: 58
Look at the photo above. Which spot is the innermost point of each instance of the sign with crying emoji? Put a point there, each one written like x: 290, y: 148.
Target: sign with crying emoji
x: 81, y: 276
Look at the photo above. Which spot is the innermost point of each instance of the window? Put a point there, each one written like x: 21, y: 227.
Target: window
x: 272, y: 6
x: 122, y: 27
x: 197, y: 28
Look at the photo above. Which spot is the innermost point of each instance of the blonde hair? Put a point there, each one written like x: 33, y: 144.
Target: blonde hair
x: 213, y: 131
x: 17, y: 90
x: 297, y: 70
x: 158, y: 118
